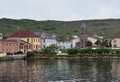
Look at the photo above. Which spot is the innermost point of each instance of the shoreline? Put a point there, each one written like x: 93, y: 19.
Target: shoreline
x: 13, y: 57
x: 61, y: 57
x: 84, y: 57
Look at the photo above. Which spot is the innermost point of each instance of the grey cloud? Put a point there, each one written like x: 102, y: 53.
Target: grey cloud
x: 60, y: 9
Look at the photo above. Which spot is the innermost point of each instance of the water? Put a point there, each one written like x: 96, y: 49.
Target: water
x: 60, y: 71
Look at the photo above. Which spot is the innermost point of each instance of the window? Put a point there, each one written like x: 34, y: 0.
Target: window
x: 115, y: 41
x: 27, y: 40
x: 44, y: 40
x: 36, y: 47
x: 6, y: 44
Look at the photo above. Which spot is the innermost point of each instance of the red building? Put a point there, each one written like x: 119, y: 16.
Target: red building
x: 28, y: 37
x: 9, y: 45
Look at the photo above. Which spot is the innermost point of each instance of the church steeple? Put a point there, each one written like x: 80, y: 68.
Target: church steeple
x: 83, y: 25
x: 83, y: 35
x: 83, y: 29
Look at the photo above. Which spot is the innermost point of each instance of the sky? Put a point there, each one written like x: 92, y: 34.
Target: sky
x: 66, y: 10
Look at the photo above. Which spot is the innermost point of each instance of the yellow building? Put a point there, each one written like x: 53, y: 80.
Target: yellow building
x: 29, y: 37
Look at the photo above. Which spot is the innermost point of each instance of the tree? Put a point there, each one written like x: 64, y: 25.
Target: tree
x: 109, y: 44
x: 106, y: 43
x: 98, y: 42
x: 89, y: 44
x: 50, y: 49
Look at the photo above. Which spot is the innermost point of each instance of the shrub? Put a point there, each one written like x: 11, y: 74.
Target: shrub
x: 29, y: 54
x: 72, y: 51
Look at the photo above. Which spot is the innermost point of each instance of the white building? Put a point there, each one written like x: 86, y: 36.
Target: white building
x: 93, y: 40
x: 76, y: 40
x: 64, y: 44
x: 46, y: 39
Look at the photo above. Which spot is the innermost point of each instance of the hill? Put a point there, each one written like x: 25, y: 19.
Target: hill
x: 109, y: 28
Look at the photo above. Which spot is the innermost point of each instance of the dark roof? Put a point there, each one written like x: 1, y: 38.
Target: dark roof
x: 44, y: 35
x: 23, y: 34
x: 38, y: 33
x: 83, y: 25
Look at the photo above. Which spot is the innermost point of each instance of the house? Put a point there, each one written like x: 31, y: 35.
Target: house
x: 46, y: 39
x: 115, y: 43
x: 75, y: 41
x: 24, y: 46
x: 64, y: 44
x: 9, y: 46
x: 28, y: 37
x: 12, y: 46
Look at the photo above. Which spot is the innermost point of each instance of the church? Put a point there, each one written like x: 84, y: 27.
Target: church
x: 81, y: 40
x: 83, y: 36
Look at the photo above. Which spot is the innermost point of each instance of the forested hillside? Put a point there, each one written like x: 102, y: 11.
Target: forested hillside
x: 109, y: 28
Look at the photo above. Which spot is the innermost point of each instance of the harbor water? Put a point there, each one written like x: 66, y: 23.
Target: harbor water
x: 52, y: 70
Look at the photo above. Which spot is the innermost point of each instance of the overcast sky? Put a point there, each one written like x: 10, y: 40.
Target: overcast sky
x: 60, y: 9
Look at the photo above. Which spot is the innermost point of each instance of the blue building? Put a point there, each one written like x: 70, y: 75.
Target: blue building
x: 46, y: 39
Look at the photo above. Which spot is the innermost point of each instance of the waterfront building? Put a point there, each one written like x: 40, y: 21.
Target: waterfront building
x: 13, y: 46
x: 28, y: 37
x: 9, y: 46
x: 92, y: 40
x: 64, y: 44
x: 75, y: 41
x: 24, y: 46
x: 46, y: 39
x: 115, y: 43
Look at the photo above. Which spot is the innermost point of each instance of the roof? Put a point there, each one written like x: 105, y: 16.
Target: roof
x: 23, y: 42
x: 45, y: 35
x: 83, y: 25
x: 23, y: 34
x: 6, y: 40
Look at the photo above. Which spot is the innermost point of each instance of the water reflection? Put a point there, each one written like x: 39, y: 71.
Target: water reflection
x: 59, y: 70
x: 13, y: 71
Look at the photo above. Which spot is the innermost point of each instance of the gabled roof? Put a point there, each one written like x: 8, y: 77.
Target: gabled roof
x: 41, y: 34
x: 45, y: 35
x: 23, y: 34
